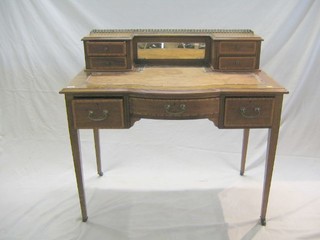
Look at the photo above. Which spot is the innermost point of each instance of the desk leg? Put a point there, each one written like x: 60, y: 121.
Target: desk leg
x: 75, y: 145
x: 76, y: 153
x: 98, y: 153
x: 244, y: 150
x: 271, y: 153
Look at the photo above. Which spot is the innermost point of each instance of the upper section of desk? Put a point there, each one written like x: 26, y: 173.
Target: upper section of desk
x: 172, y: 61
x: 124, y: 50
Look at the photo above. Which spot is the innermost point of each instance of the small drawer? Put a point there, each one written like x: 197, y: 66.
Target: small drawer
x: 248, y: 112
x: 107, y: 63
x: 174, y: 109
x: 238, y: 48
x: 98, y: 113
x: 237, y: 63
x: 106, y: 48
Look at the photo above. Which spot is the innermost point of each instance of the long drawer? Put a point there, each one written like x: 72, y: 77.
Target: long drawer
x: 174, y: 108
x: 98, y: 113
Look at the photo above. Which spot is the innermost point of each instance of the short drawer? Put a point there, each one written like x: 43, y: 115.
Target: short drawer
x: 174, y: 109
x: 237, y: 63
x: 238, y: 48
x: 248, y: 112
x: 98, y: 113
x: 106, y: 48
x: 107, y: 63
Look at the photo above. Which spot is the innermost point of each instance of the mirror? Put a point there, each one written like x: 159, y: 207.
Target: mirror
x: 171, y: 50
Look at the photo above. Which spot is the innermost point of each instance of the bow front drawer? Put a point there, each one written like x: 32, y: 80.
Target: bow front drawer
x: 98, y: 113
x: 248, y: 112
x: 174, y: 108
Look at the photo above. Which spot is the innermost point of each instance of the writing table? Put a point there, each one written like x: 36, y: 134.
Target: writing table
x: 116, y: 100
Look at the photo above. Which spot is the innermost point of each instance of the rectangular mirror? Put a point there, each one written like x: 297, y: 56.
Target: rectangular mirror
x: 171, y: 50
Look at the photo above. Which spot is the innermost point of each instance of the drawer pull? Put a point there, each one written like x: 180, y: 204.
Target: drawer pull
x: 106, y: 49
x: 95, y: 117
x: 245, y: 114
x: 175, y: 109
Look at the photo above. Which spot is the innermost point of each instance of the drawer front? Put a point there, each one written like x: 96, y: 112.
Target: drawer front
x: 98, y: 113
x: 106, y: 48
x: 248, y: 112
x: 237, y: 63
x: 107, y: 63
x: 174, y: 109
x: 238, y: 48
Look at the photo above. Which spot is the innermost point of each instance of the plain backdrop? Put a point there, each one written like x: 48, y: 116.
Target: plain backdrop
x: 163, y: 179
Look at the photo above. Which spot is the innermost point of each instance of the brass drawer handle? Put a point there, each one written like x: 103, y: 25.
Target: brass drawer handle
x: 175, y: 109
x: 95, y: 117
x: 245, y: 114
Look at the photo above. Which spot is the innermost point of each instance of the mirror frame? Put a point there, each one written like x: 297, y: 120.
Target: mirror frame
x: 173, y: 62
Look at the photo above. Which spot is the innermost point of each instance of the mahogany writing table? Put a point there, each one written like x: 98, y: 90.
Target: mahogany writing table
x: 116, y: 100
